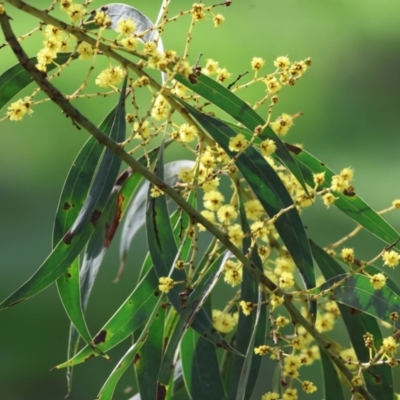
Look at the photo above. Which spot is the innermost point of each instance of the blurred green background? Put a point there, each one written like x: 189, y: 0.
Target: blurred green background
x: 350, y: 101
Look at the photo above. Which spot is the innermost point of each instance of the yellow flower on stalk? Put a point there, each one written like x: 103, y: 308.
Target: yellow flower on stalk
x: 212, y: 200
x: 17, y: 110
x: 76, y: 12
x: 347, y: 254
x: 222, y: 75
x: 286, y: 280
x: 111, y: 76
x: 235, y: 234
x: 270, y: 396
x: 282, y: 124
x: 282, y: 62
x: 211, y: 67
x: 267, y: 147
x: 237, y: 143
x: 85, y: 51
x: 224, y: 322
x: 308, y: 387
x: 391, y: 258
x: 257, y: 63
x: 102, y: 19
x: 165, y: 284
x: 247, y: 307
x: 126, y: 26
x: 233, y: 273
x: 226, y: 214
x: 262, y: 350
x: 378, y: 281
x: 218, y: 20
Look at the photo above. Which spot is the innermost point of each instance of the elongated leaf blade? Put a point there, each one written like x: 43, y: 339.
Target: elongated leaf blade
x: 245, y: 387
x: 73, y: 195
x: 135, y: 311
x: 349, y: 203
x: 200, y: 366
x: 189, y: 314
x: 107, y: 391
x: 251, y: 329
x: 148, y: 358
x: 163, y: 250
x: 73, y: 241
x: 379, y: 379
x: 271, y: 192
x: 357, y: 292
x: 241, y: 112
x: 136, y: 214
x: 331, y: 383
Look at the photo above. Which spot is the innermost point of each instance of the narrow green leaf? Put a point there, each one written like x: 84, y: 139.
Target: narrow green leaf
x: 17, y: 78
x: 148, y: 358
x: 379, y: 379
x: 73, y: 241
x: 73, y: 195
x: 200, y: 366
x: 332, y: 385
x: 189, y: 314
x: 271, y: 192
x: 357, y: 292
x: 163, y: 250
x: 250, y: 364
x: 234, y: 106
x: 77, y: 183
x: 135, y: 311
x: 121, y: 195
x: 251, y: 329
x: 136, y: 214
x: 349, y: 203
x: 107, y: 391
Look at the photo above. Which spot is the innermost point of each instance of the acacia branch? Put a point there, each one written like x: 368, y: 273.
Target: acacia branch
x: 78, y: 118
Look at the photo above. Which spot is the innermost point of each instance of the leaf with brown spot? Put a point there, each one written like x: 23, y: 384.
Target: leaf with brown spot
x: 131, y: 315
x: 100, y: 337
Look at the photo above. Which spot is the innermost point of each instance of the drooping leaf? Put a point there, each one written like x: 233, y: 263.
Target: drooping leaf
x: 135, y: 311
x: 200, y: 366
x: 174, y: 386
x: 148, y: 358
x: 73, y: 195
x: 239, y: 110
x: 379, y: 379
x: 357, y: 292
x: 192, y: 306
x: 107, y: 391
x: 349, y: 202
x: 136, y: 214
x: 250, y: 330
x: 163, y: 250
x: 77, y: 235
x: 269, y: 190
x: 332, y: 386
x: 17, y: 78
x: 251, y: 364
